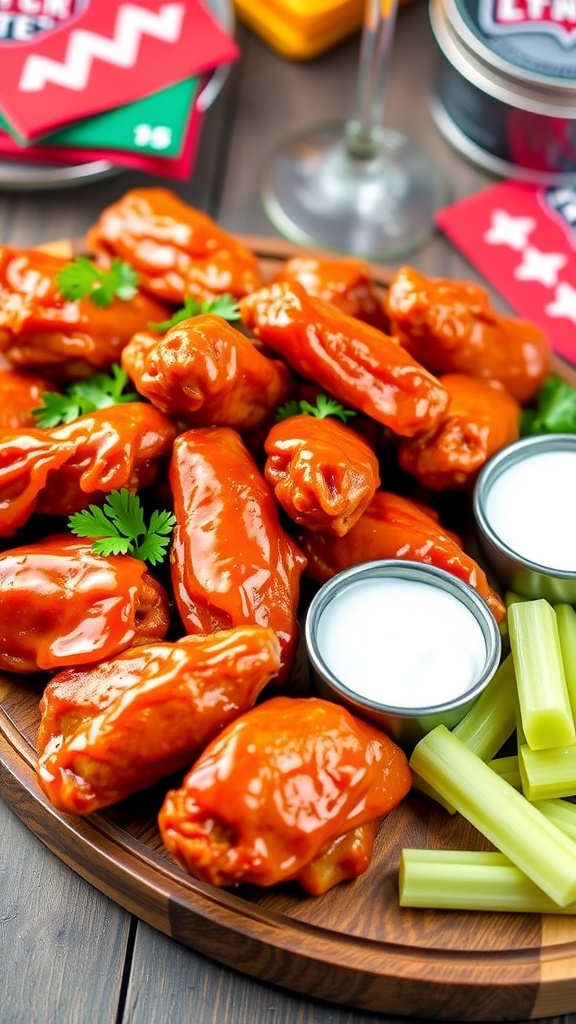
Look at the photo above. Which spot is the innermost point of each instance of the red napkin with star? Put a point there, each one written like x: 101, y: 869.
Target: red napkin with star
x: 523, y: 240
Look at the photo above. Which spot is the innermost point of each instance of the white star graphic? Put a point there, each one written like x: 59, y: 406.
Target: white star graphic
x: 564, y: 302
x: 540, y: 266
x: 507, y: 230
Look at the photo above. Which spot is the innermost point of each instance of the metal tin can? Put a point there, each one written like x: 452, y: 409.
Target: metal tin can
x: 505, y: 90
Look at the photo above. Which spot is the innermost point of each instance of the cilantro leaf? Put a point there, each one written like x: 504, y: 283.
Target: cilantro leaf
x: 288, y: 409
x: 554, y: 411
x: 155, y: 543
x: 324, y: 407
x: 225, y: 306
x: 120, y: 527
x: 57, y: 409
x: 83, y: 278
x: 125, y: 280
x: 91, y: 522
x: 99, y: 391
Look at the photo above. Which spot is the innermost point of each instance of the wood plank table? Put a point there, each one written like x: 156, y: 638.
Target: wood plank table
x: 69, y: 954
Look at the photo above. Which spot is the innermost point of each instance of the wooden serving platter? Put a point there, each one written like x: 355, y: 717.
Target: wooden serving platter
x: 354, y: 945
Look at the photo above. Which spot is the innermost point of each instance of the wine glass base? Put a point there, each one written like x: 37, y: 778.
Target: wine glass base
x: 318, y: 194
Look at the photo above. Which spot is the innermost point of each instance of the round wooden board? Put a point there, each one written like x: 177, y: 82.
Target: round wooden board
x: 354, y: 945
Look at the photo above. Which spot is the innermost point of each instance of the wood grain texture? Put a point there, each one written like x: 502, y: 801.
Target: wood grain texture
x: 60, y: 925
x: 354, y: 945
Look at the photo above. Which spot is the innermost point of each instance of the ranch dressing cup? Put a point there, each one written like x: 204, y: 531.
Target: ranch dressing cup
x: 525, y: 511
x: 405, y: 645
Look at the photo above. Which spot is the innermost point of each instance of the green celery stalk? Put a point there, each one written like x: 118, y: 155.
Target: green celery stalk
x: 470, y: 880
x: 545, y: 774
x: 504, y: 816
x: 429, y: 791
x: 487, y: 725
x: 566, y: 621
x: 561, y: 812
x: 492, y: 719
x: 545, y: 708
x: 511, y: 597
x: 507, y: 768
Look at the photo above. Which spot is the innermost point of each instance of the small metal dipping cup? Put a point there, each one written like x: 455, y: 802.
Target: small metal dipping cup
x: 406, y: 725
x: 513, y: 569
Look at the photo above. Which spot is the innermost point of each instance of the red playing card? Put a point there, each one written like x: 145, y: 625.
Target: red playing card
x: 523, y: 240
x: 74, y: 58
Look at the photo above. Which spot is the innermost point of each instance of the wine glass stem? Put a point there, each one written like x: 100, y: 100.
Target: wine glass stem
x: 364, y: 127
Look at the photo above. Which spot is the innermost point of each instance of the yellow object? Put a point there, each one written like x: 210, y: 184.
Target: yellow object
x: 301, y: 29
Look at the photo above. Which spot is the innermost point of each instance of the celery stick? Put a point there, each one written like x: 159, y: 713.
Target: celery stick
x: 507, y: 768
x: 566, y: 621
x: 511, y: 597
x: 545, y: 709
x: 547, y: 774
x: 492, y: 718
x: 470, y: 880
x: 487, y: 725
x: 561, y: 812
x: 532, y: 842
x: 429, y: 791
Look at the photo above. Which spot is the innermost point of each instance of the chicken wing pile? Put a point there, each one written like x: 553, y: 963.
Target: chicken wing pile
x: 263, y: 433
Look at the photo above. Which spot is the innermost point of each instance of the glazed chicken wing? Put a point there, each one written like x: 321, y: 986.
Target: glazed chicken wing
x: 204, y: 371
x: 176, y: 249
x: 481, y: 419
x: 117, y: 727
x: 63, y: 338
x: 354, y: 362
x: 322, y: 472
x: 61, y: 471
x: 231, y: 560
x: 271, y: 794
x: 63, y: 605
x: 345, y: 282
x: 450, y: 326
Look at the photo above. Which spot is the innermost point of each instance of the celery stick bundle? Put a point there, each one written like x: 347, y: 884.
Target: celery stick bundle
x: 513, y: 801
x: 537, y: 846
x: 480, y: 880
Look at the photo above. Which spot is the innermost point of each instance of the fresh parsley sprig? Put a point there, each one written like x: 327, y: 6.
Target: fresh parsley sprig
x: 554, y: 411
x: 99, y: 391
x: 324, y: 407
x: 120, y: 528
x: 82, y: 278
x: 225, y: 306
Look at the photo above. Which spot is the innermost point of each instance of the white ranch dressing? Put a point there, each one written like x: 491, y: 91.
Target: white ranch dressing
x: 401, y: 642
x: 531, y: 506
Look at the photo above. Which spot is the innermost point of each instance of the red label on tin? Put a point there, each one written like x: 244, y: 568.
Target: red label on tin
x: 509, y: 17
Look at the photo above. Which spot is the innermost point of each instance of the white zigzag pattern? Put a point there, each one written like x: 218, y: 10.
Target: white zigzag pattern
x: 84, y: 46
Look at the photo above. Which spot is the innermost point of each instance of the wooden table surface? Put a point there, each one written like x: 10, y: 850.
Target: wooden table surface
x: 69, y: 955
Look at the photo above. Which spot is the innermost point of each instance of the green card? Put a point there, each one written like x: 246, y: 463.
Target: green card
x: 155, y: 125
